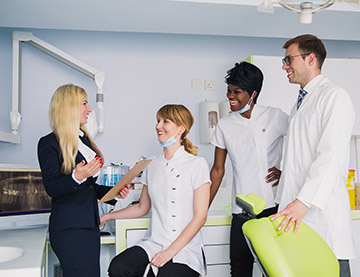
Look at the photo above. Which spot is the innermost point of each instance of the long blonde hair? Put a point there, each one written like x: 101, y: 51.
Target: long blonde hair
x: 64, y: 115
x: 181, y: 116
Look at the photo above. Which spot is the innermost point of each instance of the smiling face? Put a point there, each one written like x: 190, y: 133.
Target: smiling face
x: 238, y: 98
x: 85, y: 110
x: 165, y: 128
x: 299, y: 71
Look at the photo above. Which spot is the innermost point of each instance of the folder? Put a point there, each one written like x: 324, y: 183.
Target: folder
x: 128, y: 177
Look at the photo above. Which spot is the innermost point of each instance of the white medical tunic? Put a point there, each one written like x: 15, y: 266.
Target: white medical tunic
x: 171, y: 185
x: 316, y: 163
x: 254, y: 145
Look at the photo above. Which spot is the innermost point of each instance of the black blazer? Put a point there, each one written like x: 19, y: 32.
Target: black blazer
x: 73, y: 205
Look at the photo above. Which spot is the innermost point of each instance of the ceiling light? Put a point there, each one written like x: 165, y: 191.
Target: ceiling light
x: 304, y: 9
x: 266, y: 6
x: 305, y: 16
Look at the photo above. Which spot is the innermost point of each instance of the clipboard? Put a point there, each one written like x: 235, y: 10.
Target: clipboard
x: 128, y: 177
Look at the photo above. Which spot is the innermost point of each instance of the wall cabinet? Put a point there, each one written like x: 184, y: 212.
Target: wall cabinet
x: 216, y: 237
x: 216, y: 253
x: 217, y: 249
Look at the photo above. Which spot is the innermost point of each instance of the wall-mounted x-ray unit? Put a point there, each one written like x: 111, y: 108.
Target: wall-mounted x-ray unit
x: 15, y: 114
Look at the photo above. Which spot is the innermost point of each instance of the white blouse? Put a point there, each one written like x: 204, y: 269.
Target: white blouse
x: 171, y: 185
x: 253, y: 145
x: 88, y: 154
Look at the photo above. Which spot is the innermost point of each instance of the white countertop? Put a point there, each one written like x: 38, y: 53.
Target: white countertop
x: 32, y: 241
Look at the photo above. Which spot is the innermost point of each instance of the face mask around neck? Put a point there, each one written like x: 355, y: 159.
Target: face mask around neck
x: 247, y: 106
x: 169, y: 142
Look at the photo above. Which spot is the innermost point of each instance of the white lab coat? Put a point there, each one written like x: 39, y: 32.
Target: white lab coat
x: 316, y: 163
x: 254, y: 145
x: 171, y: 185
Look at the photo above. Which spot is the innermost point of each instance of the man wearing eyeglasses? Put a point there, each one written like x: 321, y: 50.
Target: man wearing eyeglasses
x: 312, y: 184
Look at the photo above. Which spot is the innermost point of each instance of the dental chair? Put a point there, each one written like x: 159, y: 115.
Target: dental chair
x: 280, y: 253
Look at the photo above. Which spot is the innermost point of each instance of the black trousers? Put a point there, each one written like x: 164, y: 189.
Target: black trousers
x: 132, y: 262
x: 344, y: 268
x: 241, y: 259
x: 78, y: 251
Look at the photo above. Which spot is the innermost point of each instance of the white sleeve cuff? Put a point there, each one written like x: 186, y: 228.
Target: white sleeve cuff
x: 79, y: 182
x: 305, y: 203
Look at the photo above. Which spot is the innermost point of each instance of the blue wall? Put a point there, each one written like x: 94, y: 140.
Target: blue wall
x: 143, y: 72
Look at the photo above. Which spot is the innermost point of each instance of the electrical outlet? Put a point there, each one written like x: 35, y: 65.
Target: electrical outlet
x: 210, y: 85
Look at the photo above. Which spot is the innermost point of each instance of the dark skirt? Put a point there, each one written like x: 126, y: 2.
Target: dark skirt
x: 78, y: 251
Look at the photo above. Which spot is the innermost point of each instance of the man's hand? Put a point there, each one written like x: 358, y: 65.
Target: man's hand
x: 294, y: 212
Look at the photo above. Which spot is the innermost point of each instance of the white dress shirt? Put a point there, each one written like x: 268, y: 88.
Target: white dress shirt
x: 316, y: 163
x: 254, y: 145
x: 88, y: 154
x: 171, y: 184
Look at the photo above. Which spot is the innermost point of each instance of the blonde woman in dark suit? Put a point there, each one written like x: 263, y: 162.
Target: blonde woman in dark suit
x: 70, y: 162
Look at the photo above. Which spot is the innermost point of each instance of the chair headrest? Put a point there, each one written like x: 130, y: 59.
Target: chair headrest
x: 251, y: 203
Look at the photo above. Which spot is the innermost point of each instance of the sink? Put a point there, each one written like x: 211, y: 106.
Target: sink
x: 9, y: 253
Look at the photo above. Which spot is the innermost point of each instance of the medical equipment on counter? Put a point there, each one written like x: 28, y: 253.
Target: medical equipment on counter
x: 23, y: 200
x: 110, y: 176
x: 113, y: 173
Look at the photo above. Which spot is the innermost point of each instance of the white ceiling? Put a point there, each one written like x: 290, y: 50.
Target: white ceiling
x: 232, y: 17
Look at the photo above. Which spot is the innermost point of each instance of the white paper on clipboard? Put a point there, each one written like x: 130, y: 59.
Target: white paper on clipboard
x: 128, y: 177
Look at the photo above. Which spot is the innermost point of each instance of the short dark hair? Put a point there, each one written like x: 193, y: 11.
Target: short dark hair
x: 309, y: 44
x: 246, y: 76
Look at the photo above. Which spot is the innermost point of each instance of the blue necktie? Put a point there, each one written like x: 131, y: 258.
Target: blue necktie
x: 301, y: 96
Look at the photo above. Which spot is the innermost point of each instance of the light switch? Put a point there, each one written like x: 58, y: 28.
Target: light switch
x: 196, y: 84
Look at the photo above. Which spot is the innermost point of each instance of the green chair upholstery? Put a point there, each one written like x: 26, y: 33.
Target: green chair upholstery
x: 286, y: 254
x: 251, y: 204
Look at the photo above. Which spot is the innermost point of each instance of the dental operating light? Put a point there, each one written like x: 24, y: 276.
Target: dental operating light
x: 305, y: 9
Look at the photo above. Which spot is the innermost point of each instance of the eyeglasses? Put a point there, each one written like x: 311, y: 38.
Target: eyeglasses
x: 287, y: 60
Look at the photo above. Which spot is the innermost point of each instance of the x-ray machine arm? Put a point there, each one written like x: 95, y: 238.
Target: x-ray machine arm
x: 28, y: 37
